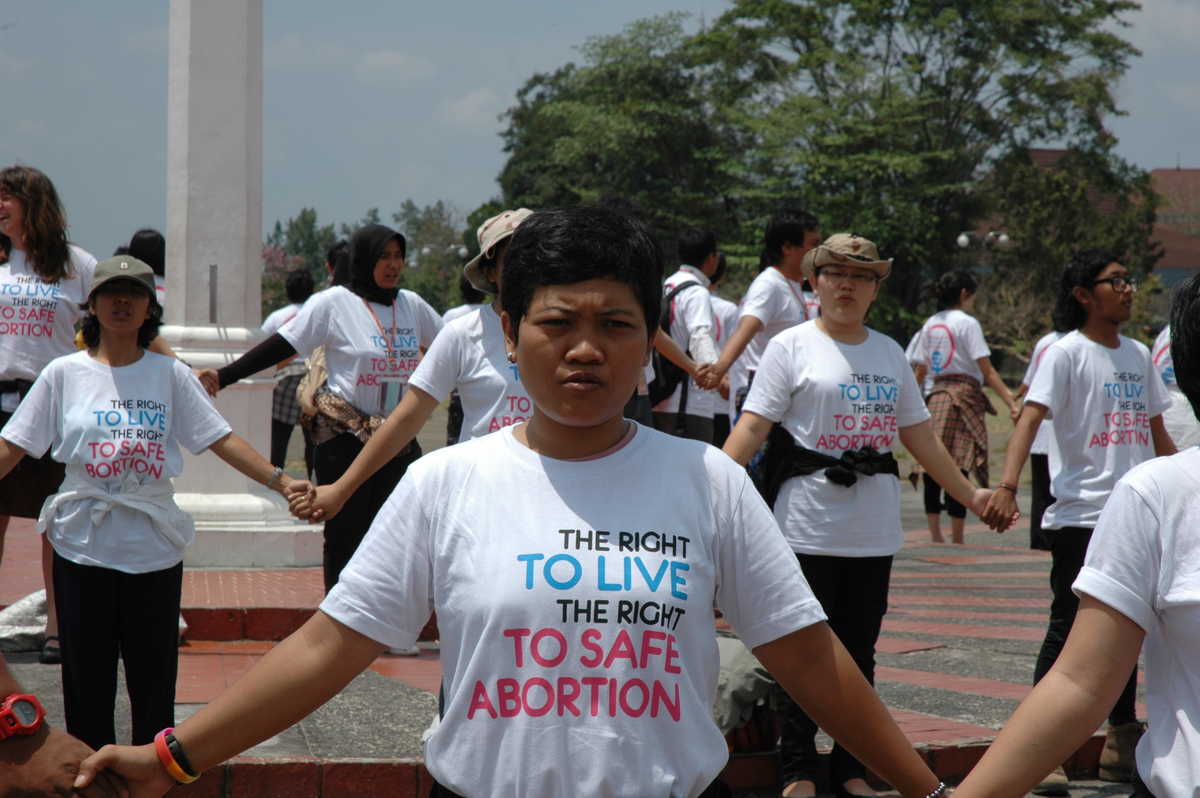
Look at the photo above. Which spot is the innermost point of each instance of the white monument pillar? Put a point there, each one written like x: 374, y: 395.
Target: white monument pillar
x: 214, y: 270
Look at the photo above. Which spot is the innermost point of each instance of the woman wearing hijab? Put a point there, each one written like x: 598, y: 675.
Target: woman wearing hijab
x: 373, y: 333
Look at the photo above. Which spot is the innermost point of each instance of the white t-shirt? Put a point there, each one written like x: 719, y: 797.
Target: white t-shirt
x: 912, y: 355
x: 1161, y: 354
x: 951, y: 342
x: 834, y: 397
x: 725, y: 316
x: 1044, y: 439
x: 691, y: 310
x: 356, y: 343
x: 574, y: 601
x: 110, y: 426
x: 812, y: 304
x: 1102, y: 401
x: 775, y: 301
x: 277, y: 318
x: 37, y: 319
x: 160, y: 289
x: 469, y: 356
x: 461, y: 310
x: 1144, y: 561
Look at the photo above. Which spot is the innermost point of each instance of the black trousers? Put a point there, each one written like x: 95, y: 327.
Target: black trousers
x: 853, y: 591
x: 346, y: 530
x: 933, y: 499
x: 1041, y: 499
x: 281, y: 435
x: 698, y: 428
x: 103, y: 614
x: 1068, y: 548
x: 721, y: 429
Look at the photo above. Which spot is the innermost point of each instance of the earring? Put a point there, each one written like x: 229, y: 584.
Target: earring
x: 512, y: 357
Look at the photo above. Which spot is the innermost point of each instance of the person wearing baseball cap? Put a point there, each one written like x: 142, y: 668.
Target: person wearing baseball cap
x: 115, y: 414
x: 833, y: 396
x: 467, y: 357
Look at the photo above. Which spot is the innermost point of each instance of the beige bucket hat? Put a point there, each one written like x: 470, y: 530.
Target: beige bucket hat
x: 491, y: 233
x: 846, y: 249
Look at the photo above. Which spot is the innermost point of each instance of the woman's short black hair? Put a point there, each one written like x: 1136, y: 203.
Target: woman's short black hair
x: 338, y: 257
x: 298, y: 286
x: 787, y: 226
x: 719, y: 273
x: 947, y: 291
x: 90, y: 326
x: 149, y: 246
x: 565, y: 246
x: 1085, y: 266
x: 1185, y: 340
x: 695, y: 245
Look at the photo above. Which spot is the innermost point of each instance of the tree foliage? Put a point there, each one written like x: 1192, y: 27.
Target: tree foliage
x: 885, y: 114
x: 632, y: 120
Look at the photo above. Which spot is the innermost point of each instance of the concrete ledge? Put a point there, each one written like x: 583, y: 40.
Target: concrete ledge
x: 268, y: 546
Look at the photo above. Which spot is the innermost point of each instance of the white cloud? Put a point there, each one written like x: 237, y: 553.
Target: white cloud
x: 476, y: 110
x: 293, y: 52
x: 392, y: 67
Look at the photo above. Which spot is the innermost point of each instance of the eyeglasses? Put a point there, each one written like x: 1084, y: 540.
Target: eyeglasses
x: 1119, y: 284
x: 858, y: 278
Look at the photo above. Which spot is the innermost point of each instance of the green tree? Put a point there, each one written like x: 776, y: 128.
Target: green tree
x: 633, y: 121
x: 436, y: 251
x: 883, y: 115
x: 1088, y: 198
x: 298, y: 243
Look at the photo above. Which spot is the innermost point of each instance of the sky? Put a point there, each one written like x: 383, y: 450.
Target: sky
x: 367, y: 104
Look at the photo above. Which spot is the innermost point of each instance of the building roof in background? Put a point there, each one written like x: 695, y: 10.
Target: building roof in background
x: 1180, y: 190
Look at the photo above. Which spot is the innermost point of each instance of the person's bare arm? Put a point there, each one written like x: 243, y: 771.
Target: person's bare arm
x: 929, y: 451
x: 991, y: 378
x: 747, y: 328
x: 44, y: 763
x: 817, y: 671
x: 920, y: 370
x: 1163, y: 445
x: 1003, y: 503
x: 235, y: 451
x: 300, y: 674
x: 401, y: 426
x: 747, y: 435
x: 667, y: 347
x: 10, y: 455
x: 1065, y: 707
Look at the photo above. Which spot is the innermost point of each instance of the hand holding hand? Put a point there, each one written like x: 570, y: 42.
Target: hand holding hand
x: 209, y: 379
x: 723, y: 387
x: 138, y: 766
x: 294, y: 488
x: 45, y: 763
x: 1014, y: 412
x: 323, y: 503
x: 999, y: 508
x: 706, y: 376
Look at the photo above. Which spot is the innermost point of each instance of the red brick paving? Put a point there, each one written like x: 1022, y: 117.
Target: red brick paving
x: 899, y: 598
x: 964, y: 630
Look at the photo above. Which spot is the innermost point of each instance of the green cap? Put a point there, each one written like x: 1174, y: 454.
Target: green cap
x: 123, y: 267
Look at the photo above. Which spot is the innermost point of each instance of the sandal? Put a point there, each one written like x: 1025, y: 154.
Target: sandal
x: 51, y: 651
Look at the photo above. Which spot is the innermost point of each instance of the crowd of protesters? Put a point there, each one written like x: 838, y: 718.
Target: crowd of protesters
x: 769, y: 453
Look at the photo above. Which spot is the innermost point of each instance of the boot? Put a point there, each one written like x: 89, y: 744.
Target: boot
x: 1054, y: 784
x: 1116, y: 760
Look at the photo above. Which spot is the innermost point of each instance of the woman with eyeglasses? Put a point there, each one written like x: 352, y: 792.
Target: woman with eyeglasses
x: 833, y: 396
x: 953, y: 350
x: 1107, y: 400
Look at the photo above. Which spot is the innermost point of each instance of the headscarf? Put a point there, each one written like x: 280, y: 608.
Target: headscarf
x: 366, y: 248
